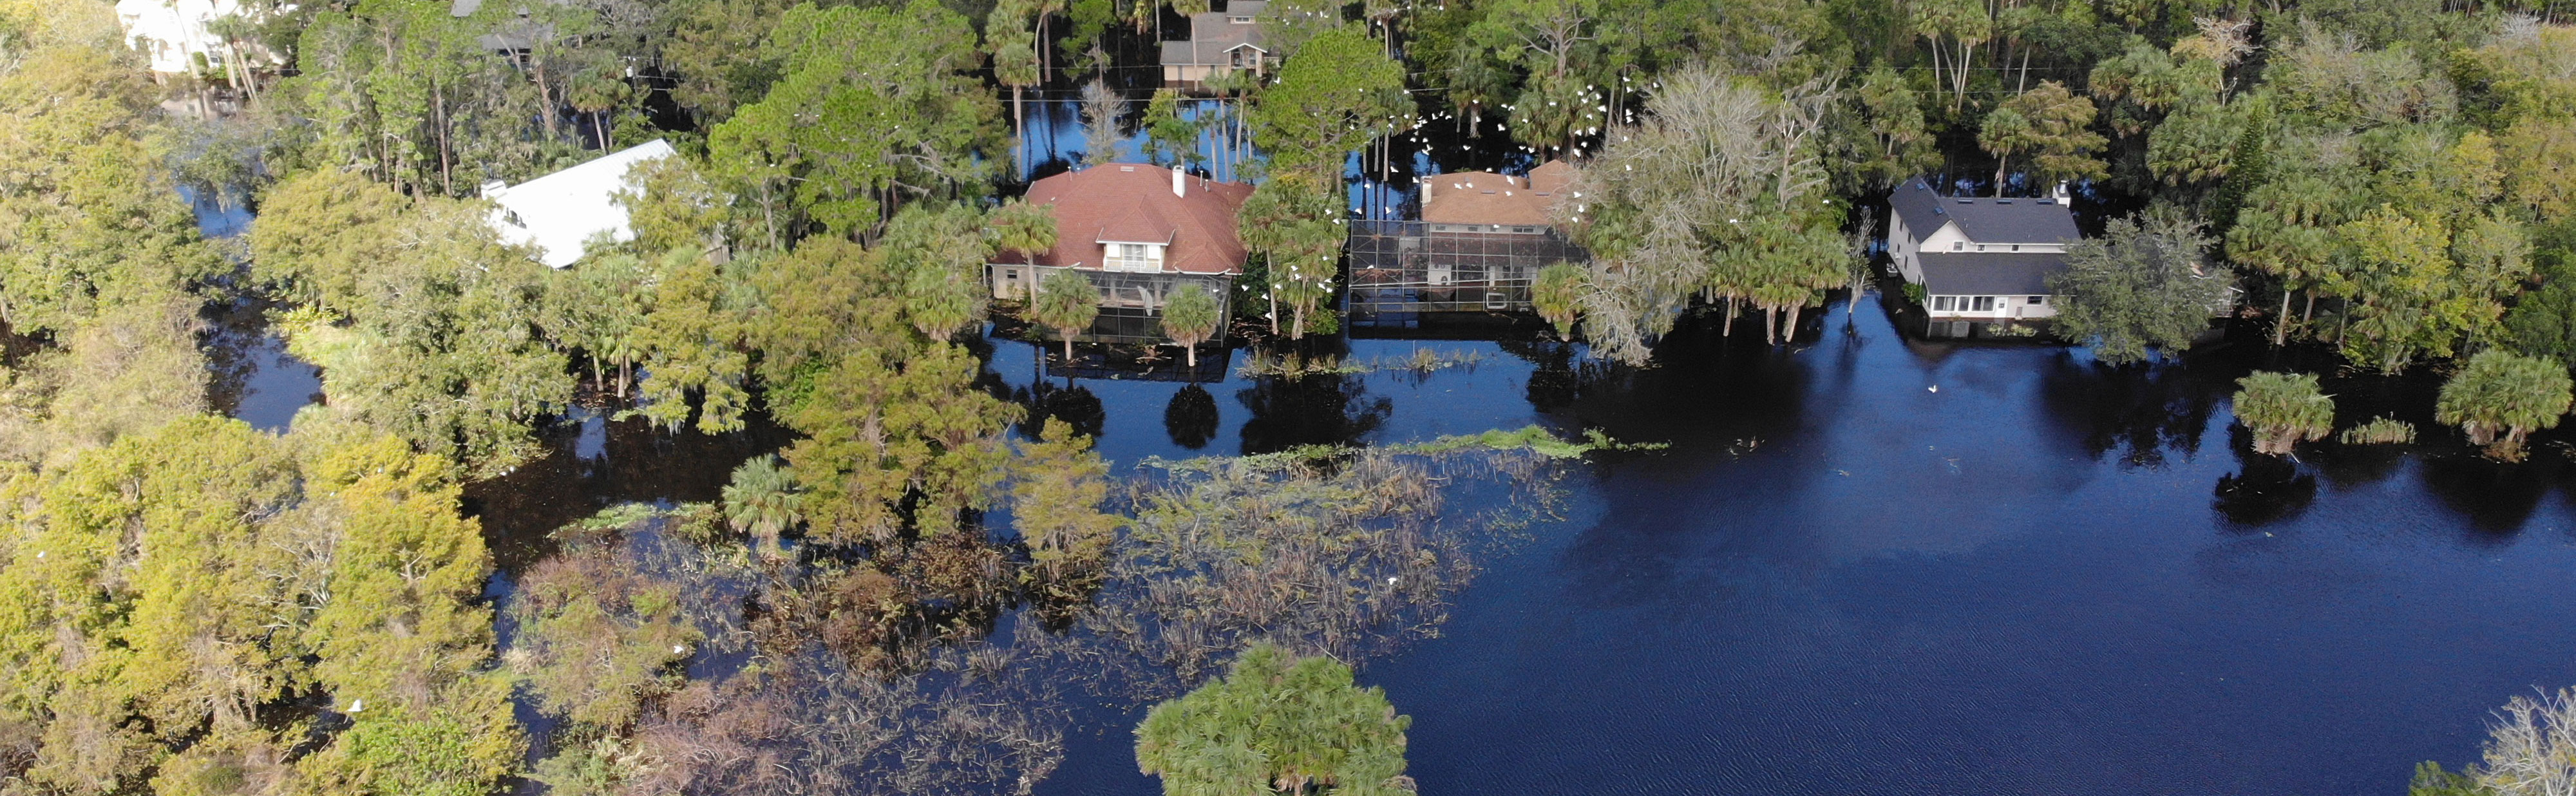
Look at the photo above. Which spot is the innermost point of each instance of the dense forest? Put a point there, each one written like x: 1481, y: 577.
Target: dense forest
x: 191, y: 606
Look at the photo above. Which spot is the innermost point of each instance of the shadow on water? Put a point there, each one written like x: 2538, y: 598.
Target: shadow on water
x: 1319, y: 409
x: 592, y: 462
x: 253, y: 378
x: 1191, y: 417
x: 2265, y: 489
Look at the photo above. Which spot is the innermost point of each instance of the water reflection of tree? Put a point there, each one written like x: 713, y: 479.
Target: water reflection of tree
x: 2132, y: 413
x: 1191, y: 418
x: 1561, y: 375
x: 2265, y: 489
x: 1323, y: 409
x: 2495, y: 497
x: 1075, y: 406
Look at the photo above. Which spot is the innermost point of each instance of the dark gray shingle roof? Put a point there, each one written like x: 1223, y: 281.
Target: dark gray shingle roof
x: 1989, y: 273
x: 2017, y: 220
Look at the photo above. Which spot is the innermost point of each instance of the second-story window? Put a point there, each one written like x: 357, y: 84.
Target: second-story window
x: 1135, y: 257
x: 1958, y: 245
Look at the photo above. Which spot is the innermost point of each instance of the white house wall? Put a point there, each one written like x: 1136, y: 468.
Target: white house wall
x: 171, y: 33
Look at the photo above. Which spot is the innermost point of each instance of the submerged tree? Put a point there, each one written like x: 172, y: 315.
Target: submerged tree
x: 2141, y: 285
x: 1189, y: 318
x: 763, y: 500
x: 1068, y: 303
x: 2500, y: 397
x: 1277, y: 724
x: 2283, y: 410
x: 1058, y: 484
x: 1558, y: 296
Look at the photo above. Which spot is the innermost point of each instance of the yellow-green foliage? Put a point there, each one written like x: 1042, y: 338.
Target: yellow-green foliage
x: 2499, y: 397
x: 2283, y: 410
x: 1280, y: 723
x: 179, y: 586
x: 2379, y: 431
x: 1531, y: 438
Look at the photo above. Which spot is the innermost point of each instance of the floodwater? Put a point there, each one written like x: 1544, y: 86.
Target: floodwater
x: 1864, y: 565
x: 2044, y: 577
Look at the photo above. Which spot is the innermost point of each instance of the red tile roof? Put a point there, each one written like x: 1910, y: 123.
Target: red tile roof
x: 1133, y: 203
x: 1483, y: 197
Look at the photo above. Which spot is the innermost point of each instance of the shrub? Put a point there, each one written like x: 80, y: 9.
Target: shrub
x: 2283, y: 410
x: 2498, y: 398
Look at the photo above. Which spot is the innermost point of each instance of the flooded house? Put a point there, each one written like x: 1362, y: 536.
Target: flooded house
x: 1983, y: 263
x: 1138, y: 232
x: 176, y: 37
x: 1481, y: 241
x: 1219, y: 41
x: 557, y: 215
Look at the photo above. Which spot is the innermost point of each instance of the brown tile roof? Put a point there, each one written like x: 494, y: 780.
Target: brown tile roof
x: 1133, y: 203
x: 1483, y: 197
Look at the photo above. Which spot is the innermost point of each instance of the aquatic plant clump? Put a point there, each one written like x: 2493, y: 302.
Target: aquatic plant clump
x: 1532, y: 438
x: 2498, y: 398
x: 1321, y: 550
x: 1279, y: 721
x: 2379, y: 431
x: 2283, y: 410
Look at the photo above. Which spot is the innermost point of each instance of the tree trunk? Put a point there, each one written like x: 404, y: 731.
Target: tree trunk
x: 2281, y: 325
x: 1770, y: 325
x: 546, y: 99
x: 1727, y: 326
x: 1191, y: 351
x: 1789, y: 334
x: 2000, y: 162
x: 1068, y: 352
x: 2311, y: 313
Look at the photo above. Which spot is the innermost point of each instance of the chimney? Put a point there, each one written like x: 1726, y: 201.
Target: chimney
x: 2060, y: 194
x: 1180, y: 182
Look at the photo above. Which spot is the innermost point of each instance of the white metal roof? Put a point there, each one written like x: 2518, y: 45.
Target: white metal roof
x: 558, y: 212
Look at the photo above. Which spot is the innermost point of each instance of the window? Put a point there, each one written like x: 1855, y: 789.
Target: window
x: 1958, y: 245
x: 2039, y: 299
x: 1983, y: 304
x: 1981, y: 247
x: 1134, y: 257
x: 1944, y: 303
x: 2016, y: 247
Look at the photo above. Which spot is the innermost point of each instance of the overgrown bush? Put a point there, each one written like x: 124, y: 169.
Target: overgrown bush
x: 2283, y: 410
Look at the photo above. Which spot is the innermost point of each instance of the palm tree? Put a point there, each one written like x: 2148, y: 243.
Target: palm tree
x: 2499, y: 397
x: 764, y: 501
x: 2283, y: 409
x: 1189, y: 318
x: 1021, y: 227
x: 1067, y: 303
x: 1558, y: 296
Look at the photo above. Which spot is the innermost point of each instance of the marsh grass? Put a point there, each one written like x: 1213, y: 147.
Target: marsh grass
x: 2379, y: 431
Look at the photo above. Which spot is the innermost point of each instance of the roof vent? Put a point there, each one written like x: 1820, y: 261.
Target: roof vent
x: 2003, y: 201
x: 2047, y: 201
x: 1126, y: 168
x: 1967, y: 201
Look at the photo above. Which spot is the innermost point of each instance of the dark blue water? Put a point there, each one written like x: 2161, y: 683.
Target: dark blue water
x: 1839, y: 580
x: 254, y: 379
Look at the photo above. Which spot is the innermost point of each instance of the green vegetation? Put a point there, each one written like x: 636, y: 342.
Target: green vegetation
x: 2379, y: 431
x: 1189, y: 318
x: 2498, y: 397
x: 2283, y: 410
x: 1280, y: 724
x: 1530, y: 438
x: 1067, y: 303
x: 1558, y: 296
x: 2141, y: 286
x: 191, y: 606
